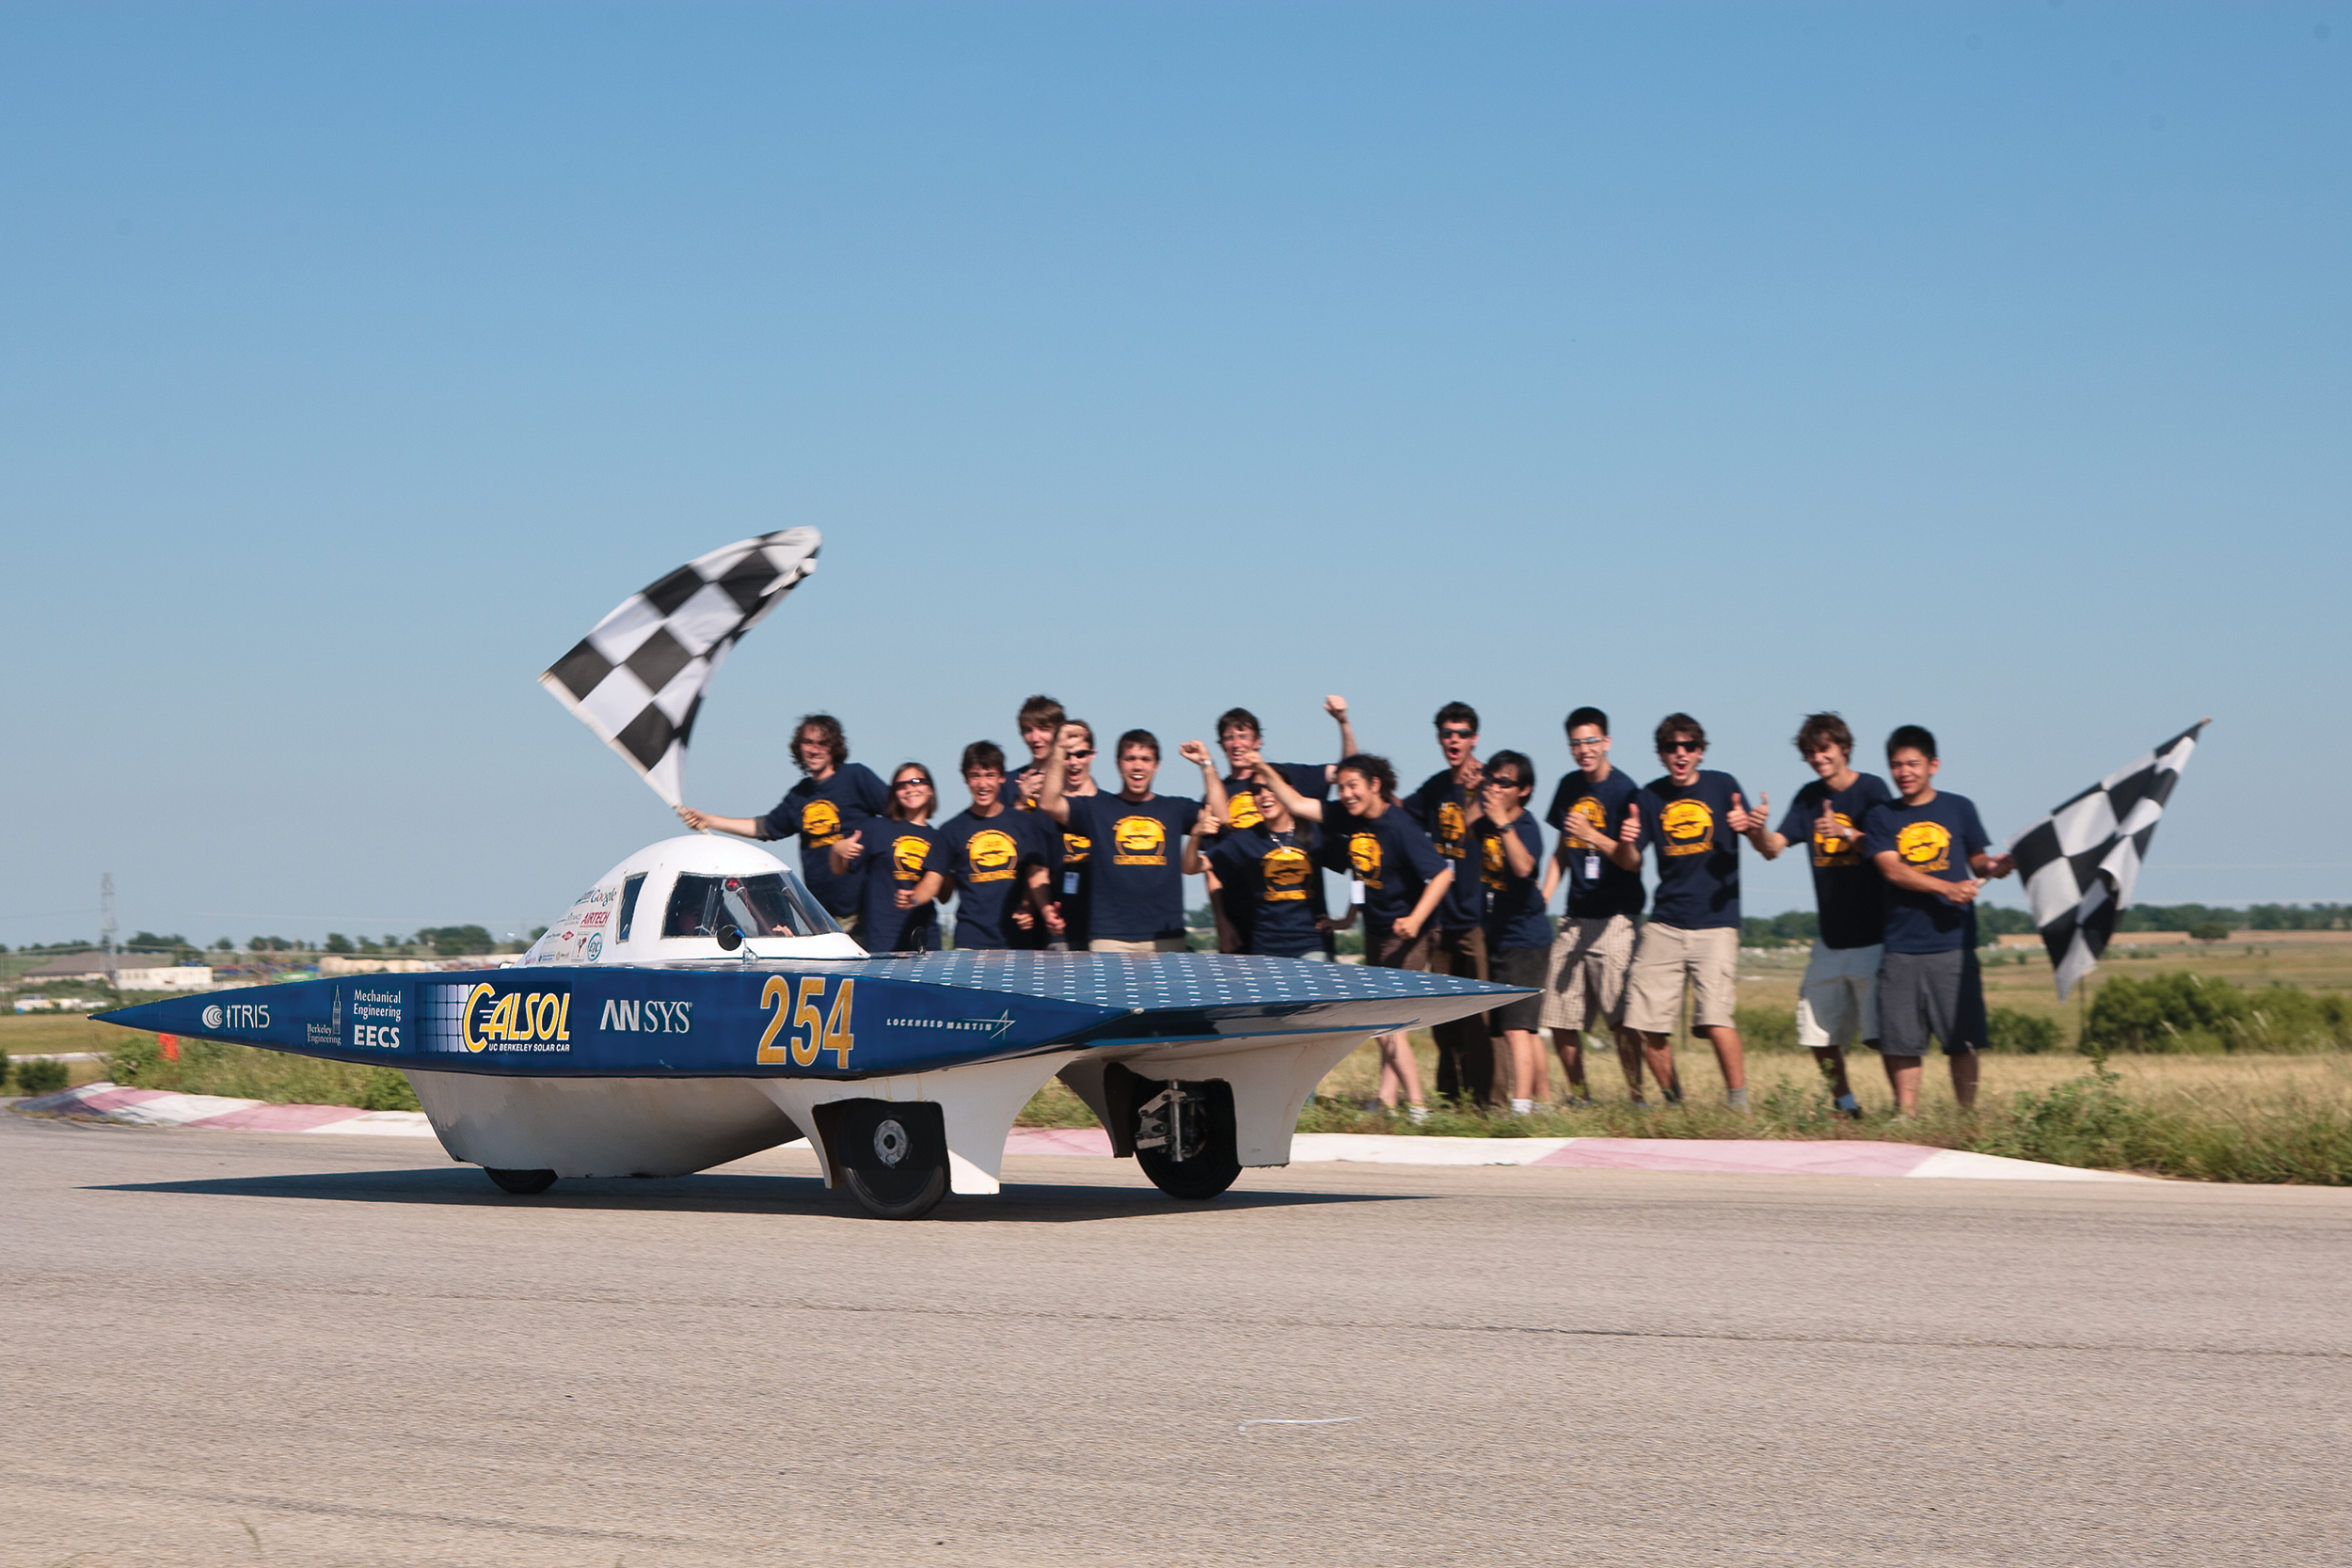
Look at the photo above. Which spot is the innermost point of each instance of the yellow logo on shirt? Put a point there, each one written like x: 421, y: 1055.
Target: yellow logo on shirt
x: 907, y: 855
x: 1839, y: 850
x: 1453, y: 826
x: 1285, y: 870
x: 1076, y: 848
x: 820, y: 823
x: 1363, y: 853
x: 1590, y: 808
x: 1688, y: 827
x: 1241, y: 809
x: 992, y: 853
x: 1140, y: 841
x: 1925, y: 847
x: 1492, y: 852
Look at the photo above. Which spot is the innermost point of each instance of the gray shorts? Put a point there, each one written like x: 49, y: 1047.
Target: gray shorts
x: 1930, y: 994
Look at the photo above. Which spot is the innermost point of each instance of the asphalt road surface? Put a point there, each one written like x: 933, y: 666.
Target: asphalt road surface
x: 241, y: 1349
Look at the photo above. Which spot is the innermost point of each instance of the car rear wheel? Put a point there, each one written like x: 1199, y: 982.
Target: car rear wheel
x: 523, y: 1183
x: 893, y: 1157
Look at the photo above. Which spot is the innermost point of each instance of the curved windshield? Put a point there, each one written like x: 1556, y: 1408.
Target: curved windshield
x: 773, y: 905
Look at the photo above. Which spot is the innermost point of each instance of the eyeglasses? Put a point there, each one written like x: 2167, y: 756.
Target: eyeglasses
x: 1589, y: 741
x: 1673, y: 746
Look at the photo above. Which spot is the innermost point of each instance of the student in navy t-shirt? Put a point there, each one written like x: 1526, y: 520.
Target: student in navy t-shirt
x: 1239, y: 736
x: 837, y: 794
x: 892, y: 859
x: 1272, y: 875
x: 1694, y: 820
x: 1135, y: 870
x: 1518, y: 934
x: 1837, y: 1000
x: 1932, y: 850
x: 1398, y: 877
x: 988, y: 849
x: 1448, y: 806
x: 1584, y: 979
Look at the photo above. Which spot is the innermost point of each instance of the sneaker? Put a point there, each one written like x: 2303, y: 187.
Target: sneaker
x: 1522, y: 1107
x: 1416, y: 1114
x: 1737, y: 1098
x: 1849, y: 1106
x: 1579, y: 1103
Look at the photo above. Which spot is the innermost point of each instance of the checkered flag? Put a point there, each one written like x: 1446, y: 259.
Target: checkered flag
x: 2079, y: 863
x: 638, y: 679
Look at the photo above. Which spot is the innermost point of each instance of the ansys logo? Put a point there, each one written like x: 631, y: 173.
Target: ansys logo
x: 1141, y: 841
x: 1925, y: 847
x: 1688, y: 826
x: 485, y: 1016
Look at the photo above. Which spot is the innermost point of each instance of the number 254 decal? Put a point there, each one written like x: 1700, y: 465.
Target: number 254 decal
x: 814, y: 1028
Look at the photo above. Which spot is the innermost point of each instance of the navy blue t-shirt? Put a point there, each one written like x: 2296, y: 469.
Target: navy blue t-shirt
x: 1306, y: 778
x: 1136, y: 863
x: 1597, y: 886
x: 1389, y: 855
x: 1515, y: 904
x: 1442, y: 807
x: 896, y: 855
x: 1847, y: 887
x: 1072, y: 884
x: 1698, y: 854
x: 1273, y: 888
x: 821, y: 811
x: 1937, y: 838
x: 984, y: 856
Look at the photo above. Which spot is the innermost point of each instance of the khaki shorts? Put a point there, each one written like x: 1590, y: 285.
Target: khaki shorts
x: 1158, y: 944
x: 1584, y: 982
x: 1838, y: 1002
x: 1667, y: 956
x: 1385, y: 949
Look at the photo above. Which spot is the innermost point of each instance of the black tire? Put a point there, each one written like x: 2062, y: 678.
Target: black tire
x: 1216, y: 1167
x: 522, y: 1183
x: 893, y: 1157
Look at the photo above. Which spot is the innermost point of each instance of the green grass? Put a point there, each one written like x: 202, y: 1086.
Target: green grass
x: 247, y: 1072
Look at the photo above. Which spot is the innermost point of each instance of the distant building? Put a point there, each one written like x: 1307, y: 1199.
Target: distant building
x: 129, y: 971
x: 331, y: 964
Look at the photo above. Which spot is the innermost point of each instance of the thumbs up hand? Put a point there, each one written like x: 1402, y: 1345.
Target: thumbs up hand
x: 1743, y: 820
x: 1630, y: 831
x: 850, y: 847
x: 1827, y: 828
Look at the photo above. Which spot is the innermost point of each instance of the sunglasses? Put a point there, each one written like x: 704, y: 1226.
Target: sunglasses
x: 1087, y: 752
x: 912, y: 784
x: 1673, y: 746
x: 1501, y: 781
x: 1448, y: 733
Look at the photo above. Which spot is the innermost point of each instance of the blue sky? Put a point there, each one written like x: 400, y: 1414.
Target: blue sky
x: 1984, y: 367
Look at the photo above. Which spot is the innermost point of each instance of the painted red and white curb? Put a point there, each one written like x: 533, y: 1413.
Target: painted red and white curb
x: 1733, y: 1156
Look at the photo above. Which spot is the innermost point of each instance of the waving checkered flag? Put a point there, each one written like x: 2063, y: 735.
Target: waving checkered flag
x: 638, y: 679
x: 2079, y: 863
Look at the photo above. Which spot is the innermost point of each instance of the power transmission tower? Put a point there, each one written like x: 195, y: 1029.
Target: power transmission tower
x: 107, y: 925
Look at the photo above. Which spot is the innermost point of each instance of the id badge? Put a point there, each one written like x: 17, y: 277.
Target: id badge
x: 1592, y: 867
x: 1070, y: 884
x: 1355, y: 893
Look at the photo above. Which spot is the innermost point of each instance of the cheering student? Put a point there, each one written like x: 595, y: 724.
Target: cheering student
x: 898, y: 884
x: 1271, y: 870
x: 1695, y: 818
x: 1241, y: 737
x: 1399, y: 878
x: 1519, y: 938
x: 986, y: 850
x: 834, y: 796
x: 1137, y: 880
x: 1040, y: 719
x: 1926, y: 843
x: 1446, y: 805
x: 1068, y: 910
x: 1584, y: 982
x: 1837, y: 1001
